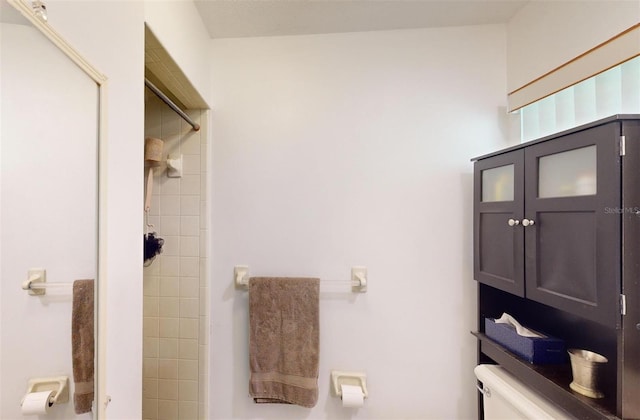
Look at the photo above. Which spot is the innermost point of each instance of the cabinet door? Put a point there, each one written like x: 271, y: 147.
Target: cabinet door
x: 572, y: 248
x: 498, y: 207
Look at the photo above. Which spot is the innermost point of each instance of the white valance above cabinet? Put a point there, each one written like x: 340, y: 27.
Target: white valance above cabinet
x: 554, y: 45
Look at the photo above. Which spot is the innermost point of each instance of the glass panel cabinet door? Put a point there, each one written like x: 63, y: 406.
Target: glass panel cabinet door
x: 497, y: 184
x: 498, y: 206
x: 568, y: 174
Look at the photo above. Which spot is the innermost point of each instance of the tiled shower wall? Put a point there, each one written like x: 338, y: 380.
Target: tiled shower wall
x: 175, y: 284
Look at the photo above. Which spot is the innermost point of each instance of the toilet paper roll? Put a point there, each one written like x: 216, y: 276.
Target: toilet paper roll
x: 37, y: 402
x: 352, y: 396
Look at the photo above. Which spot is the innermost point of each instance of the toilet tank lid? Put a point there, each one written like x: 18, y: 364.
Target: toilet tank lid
x: 527, y: 401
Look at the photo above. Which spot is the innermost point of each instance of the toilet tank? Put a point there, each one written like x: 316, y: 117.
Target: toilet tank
x: 505, y: 397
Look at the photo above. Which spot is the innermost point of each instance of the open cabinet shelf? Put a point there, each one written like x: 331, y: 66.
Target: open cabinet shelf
x: 552, y: 381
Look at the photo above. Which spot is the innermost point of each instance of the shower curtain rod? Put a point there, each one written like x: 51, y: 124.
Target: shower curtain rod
x: 169, y: 102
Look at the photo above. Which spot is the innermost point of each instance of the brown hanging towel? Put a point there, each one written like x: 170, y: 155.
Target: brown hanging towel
x: 284, y: 340
x: 82, y: 345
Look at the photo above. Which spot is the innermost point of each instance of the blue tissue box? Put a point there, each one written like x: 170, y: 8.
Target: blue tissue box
x: 535, y: 350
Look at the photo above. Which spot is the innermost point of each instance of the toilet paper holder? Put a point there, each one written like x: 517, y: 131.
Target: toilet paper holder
x: 339, y: 377
x: 59, y: 384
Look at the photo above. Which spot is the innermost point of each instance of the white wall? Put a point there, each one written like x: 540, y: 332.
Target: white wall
x: 179, y: 28
x: 49, y: 211
x: 111, y: 36
x: 546, y: 34
x: 331, y: 151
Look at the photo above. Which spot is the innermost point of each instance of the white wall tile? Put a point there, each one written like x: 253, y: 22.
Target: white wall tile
x: 190, y: 184
x: 191, y: 144
x: 167, y: 369
x: 189, y: 307
x: 167, y: 389
x: 204, y: 330
x: 188, y: 390
x: 169, y: 265
x: 150, y: 367
x: 204, y: 301
x: 169, y: 307
x: 171, y: 246
x: 150, y: 327
x: 202, y: 263
x: 188, y: 410
x: 204, y: 224
x: 151, y: 286
x: 150, y: 388
x: 150, y: 306
x: 150, y: 347
x: 169, y: 286
x: 191, y: 164
x: 203, y: 157
x: 170, y: 123
x: 188, y: 349
x: 150, y: 408
x: 202, y: 387
x: 169, y: 186
x: 189, y: 205
x: 169, y: 226
x: 169, y: 327
x: 189, y: 287
x: 167, y: 410
x: 170, y: 205
x: 190, y: 266
x: 203, y: 184
x: 189, y: 328
x: 190, y: 246
x: 168, y: 348
x: 188, y: 369
x: 190, y: 225
x: 151, y: 270
x: 203, y: 245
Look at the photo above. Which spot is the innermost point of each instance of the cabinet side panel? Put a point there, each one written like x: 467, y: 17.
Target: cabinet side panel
x: 629, y: 357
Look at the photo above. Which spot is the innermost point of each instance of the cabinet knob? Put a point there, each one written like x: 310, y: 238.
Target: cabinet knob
x: 513, y: 222
x: 528, y: 222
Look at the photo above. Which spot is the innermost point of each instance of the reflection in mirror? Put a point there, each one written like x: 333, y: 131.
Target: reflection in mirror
x: 49, y: 129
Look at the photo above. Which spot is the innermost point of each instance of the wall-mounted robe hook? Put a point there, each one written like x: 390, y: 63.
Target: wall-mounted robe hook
x: 240, y: 277
x: 174, y: 166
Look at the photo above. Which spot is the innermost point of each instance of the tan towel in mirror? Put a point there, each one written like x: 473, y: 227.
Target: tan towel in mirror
x: 284, y: 340
x: 82, y: 345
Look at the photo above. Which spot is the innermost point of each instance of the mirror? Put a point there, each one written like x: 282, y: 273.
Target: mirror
x: 50, y: 123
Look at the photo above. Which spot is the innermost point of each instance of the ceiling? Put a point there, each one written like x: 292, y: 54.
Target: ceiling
x: 252, y: 18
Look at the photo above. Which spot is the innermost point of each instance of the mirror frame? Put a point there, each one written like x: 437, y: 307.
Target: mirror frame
x: 101, y: 398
